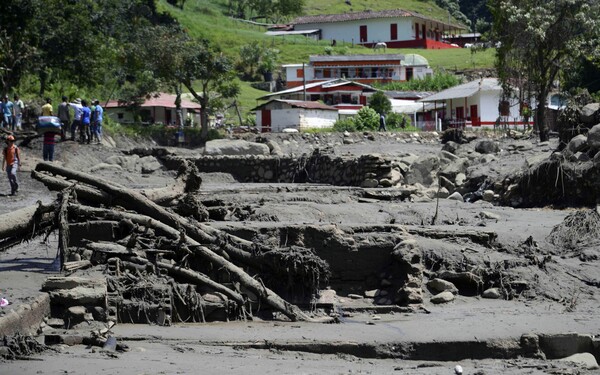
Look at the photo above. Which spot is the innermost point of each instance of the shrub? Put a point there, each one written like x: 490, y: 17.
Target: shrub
x: 343, y: 125
x: 366, y: 119
x: 397, y: 121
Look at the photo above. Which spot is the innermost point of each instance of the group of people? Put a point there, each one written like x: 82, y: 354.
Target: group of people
x: 87, y: 121
x: 11, y: 113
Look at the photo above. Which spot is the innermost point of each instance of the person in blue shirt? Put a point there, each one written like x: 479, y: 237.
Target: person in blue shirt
x: 7, y: 112
x: 86, y: 115
x: 98, y: 114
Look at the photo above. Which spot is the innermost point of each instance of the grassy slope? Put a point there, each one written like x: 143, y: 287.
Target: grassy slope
x: 205, y: 18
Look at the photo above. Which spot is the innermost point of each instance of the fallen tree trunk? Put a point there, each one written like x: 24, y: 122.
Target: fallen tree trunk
x: 96, y: 196
x: 236, y: 247
x: 271, y: 298
x: 25, y: 223
x: 85, y: 193
x: 190, y: 275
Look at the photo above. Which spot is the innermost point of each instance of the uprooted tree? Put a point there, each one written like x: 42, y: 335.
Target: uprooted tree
x: 150, y: 236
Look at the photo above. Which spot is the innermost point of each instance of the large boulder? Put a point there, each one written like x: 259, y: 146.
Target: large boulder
x: 593, y: 138
x: 487, y: 146
x: 235, y: 147
x: 590, y: 114
x: 577, y: 143
x: 423, y: 170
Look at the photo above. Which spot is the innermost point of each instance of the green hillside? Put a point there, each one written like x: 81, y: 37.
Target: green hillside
x: 207, y: 19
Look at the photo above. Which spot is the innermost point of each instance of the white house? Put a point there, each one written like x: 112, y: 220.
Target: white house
x: 160, y: 110
x: 477, y: 104
x: 397, y: 28
x: 277, y: 115
x: 366, y: 69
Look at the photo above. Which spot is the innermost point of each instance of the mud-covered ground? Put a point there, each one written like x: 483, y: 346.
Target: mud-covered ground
x: 557, y: 287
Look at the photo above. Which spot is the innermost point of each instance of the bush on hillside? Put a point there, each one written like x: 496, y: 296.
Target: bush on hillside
x: 366, y: 119
x: 343, y: 125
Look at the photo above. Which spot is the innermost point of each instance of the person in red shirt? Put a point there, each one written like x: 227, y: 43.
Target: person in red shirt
x: 11, y: 162
x: 48, y: 146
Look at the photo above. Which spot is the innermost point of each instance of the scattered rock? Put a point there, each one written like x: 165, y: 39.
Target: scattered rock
x: 439, y: 285
x: 593, y: 138
x: 488, y: 195
x: 443, y: 297
x: 487, y: 146
x: 371, y: 293
x: 456, y: 196
x: 235, y: 147
x: 492, y: 293
x: 590, y: 113
x: 586, y: 360
x: 577, y: 143
x: 488, y: 215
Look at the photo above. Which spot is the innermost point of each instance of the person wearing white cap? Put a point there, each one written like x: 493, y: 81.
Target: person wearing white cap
x: 76, y: 124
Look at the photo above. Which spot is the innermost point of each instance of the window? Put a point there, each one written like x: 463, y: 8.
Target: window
x: 315, y: 97
x: 344, y: 72
x: 120, y: 116
x: 346, y: 98
x: 318, y: 73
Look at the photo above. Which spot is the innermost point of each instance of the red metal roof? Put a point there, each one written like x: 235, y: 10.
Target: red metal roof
x: 162, y: 100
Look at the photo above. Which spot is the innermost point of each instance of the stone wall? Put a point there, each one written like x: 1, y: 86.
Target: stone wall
x: 319, y: 167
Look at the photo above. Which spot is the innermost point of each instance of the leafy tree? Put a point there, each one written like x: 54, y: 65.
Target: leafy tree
x: 211, y: 69
x: 250, y: 57
x: 380, y: 103
x: 366, y: 119
x: 538, y: 40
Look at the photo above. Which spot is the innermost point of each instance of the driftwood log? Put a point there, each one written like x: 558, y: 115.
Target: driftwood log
x: 25, y: 223
x: 271, y: 298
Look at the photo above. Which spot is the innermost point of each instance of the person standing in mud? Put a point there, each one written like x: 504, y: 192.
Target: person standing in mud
x: 86, y: 116
x: 65, y: 116
x: 47, y: 108
x: 48, y: 146
x: 76, y: 125
x: 98, y: 114
x: 18, y: 111
x: 382, y: 123
x: 11, y: 161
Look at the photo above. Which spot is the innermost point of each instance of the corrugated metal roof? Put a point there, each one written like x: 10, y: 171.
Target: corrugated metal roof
x: 163, y: 100
x: 299, y: 104
x: 369, y: 14
x: 291, y: 32
x: 330, y: 83
x: 465, y: 90
x: 380, y: 57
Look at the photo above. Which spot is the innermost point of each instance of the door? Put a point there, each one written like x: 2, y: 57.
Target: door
x: 424, y: 31
x: 416, y: 31
x: 409, y: 74
x: 265, y: 124
x: 394, y: 31
x: 363, y: 34
x: 167, y: 116
x: 475, y: 120
x: 460, y: 113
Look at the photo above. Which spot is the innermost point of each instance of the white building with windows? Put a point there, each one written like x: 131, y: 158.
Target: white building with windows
x: 478, y: 104
x: 365, y: 69
x: 397, y: 28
